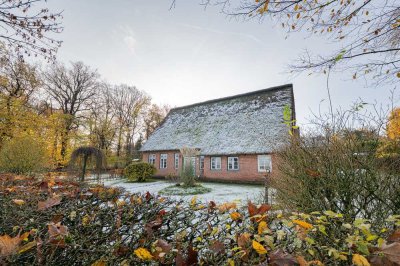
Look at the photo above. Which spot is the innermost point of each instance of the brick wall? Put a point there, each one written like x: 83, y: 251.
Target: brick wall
x: 248, y: 167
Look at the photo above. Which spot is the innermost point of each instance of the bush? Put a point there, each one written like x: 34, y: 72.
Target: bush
x: 139, y: 171
x: 22, y: 155
x: 68, y: 223
x: 187, y: 174
x: 336, y: 167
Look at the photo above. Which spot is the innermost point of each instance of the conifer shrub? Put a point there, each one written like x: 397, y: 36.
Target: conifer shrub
x: 139, y: 171
x: 187, y: 175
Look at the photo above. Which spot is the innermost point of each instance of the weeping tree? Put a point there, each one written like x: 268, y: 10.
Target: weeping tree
x: 84, y: 155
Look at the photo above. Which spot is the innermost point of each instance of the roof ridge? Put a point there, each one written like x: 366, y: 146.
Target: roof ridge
x: 289, y: 85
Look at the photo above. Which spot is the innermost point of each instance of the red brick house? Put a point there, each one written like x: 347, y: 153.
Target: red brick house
x: 234, y: 136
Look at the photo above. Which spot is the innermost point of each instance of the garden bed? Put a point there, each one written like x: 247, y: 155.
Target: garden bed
x: 175, y: 190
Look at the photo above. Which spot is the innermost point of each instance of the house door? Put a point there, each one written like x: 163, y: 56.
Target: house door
x: 192, y: 162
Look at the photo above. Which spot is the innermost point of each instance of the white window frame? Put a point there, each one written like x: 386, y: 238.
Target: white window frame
x: 262, y: 161
x: 231, y: 163
x: 201, y: 162
x: 215, y: 163
x: 152, y: 159
x: 163, y: 160
x: 176, y: 160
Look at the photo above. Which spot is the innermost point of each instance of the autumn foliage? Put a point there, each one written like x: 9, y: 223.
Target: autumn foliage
x: 55, y: 221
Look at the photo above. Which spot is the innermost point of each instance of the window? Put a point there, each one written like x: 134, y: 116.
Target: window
x: 163, y: 161
x: 201, y: 165
x: 264, y: 163
x: 176, y: 160
x: 152, y: 159
x: 233, y: 163
x: 215, y: 163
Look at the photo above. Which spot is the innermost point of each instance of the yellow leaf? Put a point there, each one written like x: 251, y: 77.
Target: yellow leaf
x: 303, y: 224
x: 360, y: 260
x: 85, y: 220
x: 296, y: 7
x: 18, y: 202
x: 143, y: 254
x: 262, y: 226
x: 258, y: 248
x: 99, y: 262
x: 231, y: 262
x: 265, y: 8
x: 235, y: 216
x: 398, y: 75
x: 193, y: 201
x: 27, y: 247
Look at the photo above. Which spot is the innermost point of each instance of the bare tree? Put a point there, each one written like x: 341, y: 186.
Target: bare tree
x: 18, y: 79
x: 154, y: 116
x: 27, y: 29
x: 101, y: 120
x: 72, y: 89
x: 367, y: 31
x: 129, y: 104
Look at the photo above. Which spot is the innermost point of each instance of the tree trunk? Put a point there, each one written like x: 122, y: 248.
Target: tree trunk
x: 85, y: 157
x: 119, y: 142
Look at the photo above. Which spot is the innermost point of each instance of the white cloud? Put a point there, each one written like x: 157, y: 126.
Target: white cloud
x: 130, y: 41
x: 128, y: 38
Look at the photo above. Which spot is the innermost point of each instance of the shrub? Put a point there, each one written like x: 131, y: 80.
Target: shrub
x: 187, y: 174
x: 336, y: 167
x: 139, y: 171
x: 62, y: 223
x: 171, y: 177
x: 22, y: 155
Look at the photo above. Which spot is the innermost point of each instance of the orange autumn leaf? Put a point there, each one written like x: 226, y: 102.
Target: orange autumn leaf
x: 9, y: 245
x: 301, y: 261
x: 303, y: 224
x: 235, y: 216
x: 50, y: 202
x: 227, y: 206
x: 258, y: 248
x: 260, y: 211
x: 243, y: 239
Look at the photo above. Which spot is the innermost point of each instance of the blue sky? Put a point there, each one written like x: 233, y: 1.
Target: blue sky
x: 191, y: 54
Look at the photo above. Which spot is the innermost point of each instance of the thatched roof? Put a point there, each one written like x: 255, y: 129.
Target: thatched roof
x: 248, y: 123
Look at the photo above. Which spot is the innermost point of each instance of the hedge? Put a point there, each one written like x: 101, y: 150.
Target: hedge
x: 139, y: 171
x: 60, y: 222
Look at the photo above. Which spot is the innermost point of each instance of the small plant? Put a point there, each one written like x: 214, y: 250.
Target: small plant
x: 171, y: 177
x: 22, y: 155
x: 139, y: 171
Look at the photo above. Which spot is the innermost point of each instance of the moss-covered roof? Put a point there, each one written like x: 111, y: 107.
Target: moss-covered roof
x: 248, y: 123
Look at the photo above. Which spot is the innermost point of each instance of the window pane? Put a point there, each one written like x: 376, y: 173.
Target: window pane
x: 264, y: 163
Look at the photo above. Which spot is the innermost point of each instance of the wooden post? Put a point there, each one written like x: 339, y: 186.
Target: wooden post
x: 266, y: 193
